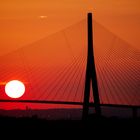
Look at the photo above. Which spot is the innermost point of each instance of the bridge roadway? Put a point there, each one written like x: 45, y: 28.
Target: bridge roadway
x: 69, y: 103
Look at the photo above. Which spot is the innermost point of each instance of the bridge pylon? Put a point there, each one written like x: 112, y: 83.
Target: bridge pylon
x: 90, y: 75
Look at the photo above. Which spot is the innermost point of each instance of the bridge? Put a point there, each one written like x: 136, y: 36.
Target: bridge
x: 57, y: 69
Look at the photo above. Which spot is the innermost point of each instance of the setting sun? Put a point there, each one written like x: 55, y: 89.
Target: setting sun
x: 14, y: 89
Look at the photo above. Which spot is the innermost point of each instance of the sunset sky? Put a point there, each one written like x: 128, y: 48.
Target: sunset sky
x: 25, y: 21
x: 38, y: 37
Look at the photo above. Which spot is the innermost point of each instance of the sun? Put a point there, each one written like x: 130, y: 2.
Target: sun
x: 14, y: 89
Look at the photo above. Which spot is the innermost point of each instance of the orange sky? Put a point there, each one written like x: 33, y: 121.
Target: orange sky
x: 24, y: 22
x: 21, y: 24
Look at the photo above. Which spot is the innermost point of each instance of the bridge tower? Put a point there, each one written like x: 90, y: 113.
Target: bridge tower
x: 90, y: 75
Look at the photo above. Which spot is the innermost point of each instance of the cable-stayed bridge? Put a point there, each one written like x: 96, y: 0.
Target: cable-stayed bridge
x: 54, y: 69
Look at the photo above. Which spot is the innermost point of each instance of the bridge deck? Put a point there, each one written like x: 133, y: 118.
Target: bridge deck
x: 68, y: 103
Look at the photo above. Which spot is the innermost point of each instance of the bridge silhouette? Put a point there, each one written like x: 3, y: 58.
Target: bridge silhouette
x: 54, y: 69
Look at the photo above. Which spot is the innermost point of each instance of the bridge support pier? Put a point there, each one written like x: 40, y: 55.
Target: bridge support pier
x: 134, y: 112
x: 90, y: 75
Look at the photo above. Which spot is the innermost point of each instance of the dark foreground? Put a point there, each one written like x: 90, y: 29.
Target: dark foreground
x: 94, y: 126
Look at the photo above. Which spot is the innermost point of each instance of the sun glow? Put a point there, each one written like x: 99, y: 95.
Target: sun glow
x: 42, y: 17
x: 14, y: 89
